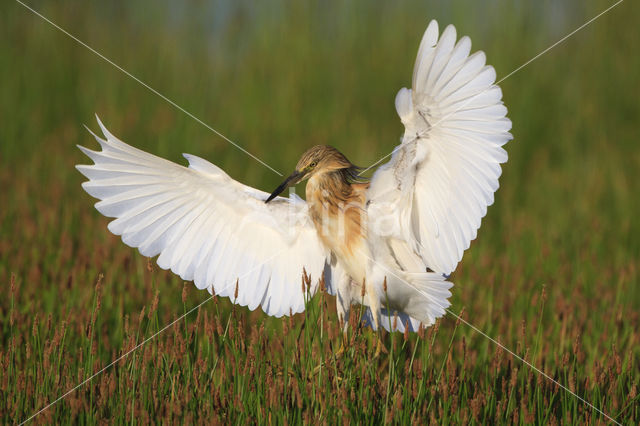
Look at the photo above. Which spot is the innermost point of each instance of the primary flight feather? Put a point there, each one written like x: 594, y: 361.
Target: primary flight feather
x: 388, y: 244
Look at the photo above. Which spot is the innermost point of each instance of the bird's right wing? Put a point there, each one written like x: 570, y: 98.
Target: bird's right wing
x: 206, y: 226
x: 436, y: 188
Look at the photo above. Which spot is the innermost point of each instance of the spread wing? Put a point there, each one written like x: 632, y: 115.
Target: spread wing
x: 443, y: 175
x: 207, y: 227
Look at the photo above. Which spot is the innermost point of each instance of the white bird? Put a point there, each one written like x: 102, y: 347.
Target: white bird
x: 388, y: 244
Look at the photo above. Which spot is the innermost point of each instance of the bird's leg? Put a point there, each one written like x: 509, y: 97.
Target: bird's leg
x: 343, y: 307
x: 379, y: 345
x: 343, y: 344
x: 343, y: 317
x: 375, y: 306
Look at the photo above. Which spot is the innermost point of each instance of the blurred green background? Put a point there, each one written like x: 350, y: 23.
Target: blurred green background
x: 277, y: 77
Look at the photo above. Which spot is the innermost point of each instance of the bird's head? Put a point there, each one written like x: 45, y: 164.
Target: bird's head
x: 318, y: 159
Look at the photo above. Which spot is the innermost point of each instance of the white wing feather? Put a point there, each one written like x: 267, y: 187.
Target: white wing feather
x: 205, y: 226
x: 443, y: 175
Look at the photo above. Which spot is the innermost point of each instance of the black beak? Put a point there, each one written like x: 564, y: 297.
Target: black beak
x: 294, y: 178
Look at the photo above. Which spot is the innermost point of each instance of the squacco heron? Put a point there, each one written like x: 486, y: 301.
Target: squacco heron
x: 388, y: 243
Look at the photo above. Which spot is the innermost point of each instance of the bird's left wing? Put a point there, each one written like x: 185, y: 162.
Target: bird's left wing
x: 436, y: 188
x: 206, y: 226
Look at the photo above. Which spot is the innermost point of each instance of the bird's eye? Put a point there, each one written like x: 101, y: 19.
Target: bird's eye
x: 313, y: 164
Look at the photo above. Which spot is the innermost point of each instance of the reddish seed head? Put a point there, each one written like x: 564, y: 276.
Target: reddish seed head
x: 34, y: 330
x: 99, y: 292
x: 141, y: 315
x: 154, y: 304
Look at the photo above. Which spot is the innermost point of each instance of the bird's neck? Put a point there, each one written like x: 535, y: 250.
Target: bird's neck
x: 331, y: 188
x: 337, y: 209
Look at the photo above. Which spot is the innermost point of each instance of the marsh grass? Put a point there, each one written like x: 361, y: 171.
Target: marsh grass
x: 552, y: 276
x: 224, y: 363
